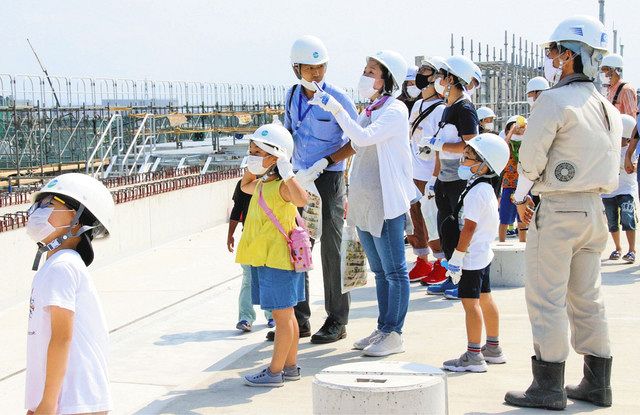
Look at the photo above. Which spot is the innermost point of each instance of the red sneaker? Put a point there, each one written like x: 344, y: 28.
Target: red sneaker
x: 420, y: 270
x: 437, y: 275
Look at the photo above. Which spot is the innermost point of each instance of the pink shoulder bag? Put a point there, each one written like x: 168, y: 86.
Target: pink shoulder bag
x: 298, y: 239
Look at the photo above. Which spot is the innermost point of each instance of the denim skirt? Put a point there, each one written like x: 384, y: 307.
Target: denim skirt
x: 276, y: 289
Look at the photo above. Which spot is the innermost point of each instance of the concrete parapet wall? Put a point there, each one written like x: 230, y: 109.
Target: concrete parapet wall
x: 140, y: 225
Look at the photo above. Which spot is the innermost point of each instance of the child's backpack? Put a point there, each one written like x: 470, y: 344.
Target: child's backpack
x: 298, y: 239
x: 451, y: 225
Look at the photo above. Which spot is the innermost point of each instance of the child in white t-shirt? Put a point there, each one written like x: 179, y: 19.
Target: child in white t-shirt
x: 67, y: 342
x: 619, y: 205
x: 485, y: 156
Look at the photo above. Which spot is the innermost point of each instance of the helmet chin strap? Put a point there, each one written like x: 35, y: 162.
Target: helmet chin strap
x: 270, y: 172
x: 55, y: 244
x: 489, y: 174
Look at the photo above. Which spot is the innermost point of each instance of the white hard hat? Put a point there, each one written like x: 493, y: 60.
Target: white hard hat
x: 309, y: 50
x: 412, y: 70
x: 395, y: 64
x: 436, y: 62
x: 478, y: 72
x: 88, y: 192
x: 493, y: 150
x: 278, y: 140
x: 628, y: 123
x: 537, y: 84
x: 612, y: 60
x: 463, y: 68
x: 485, y: 112
x: 585, y: 29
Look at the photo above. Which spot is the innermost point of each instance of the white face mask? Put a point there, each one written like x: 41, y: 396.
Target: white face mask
x: 365, y: 87
x: 530, y: 101
x: 471, y: 90
x: 254, y: 165
x: 489, y: 126
x: 551, y: 73
x: 516, y: 137
x: 439, y: 88
x: 310, y: 85
x: 604, y: 78
x: 38, y: 226
x: 413, y: 91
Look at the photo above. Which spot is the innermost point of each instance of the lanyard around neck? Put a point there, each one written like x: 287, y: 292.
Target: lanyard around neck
x: 301, y: 117
x: 375, y: 105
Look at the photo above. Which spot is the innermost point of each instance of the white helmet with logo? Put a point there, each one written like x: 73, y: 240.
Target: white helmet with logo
x: 585, y: 29
x: 395, y: 64
x: 88, y: 192
x: 537, y: 84
x: 628, y: 123
x: 485, y: 112
x: 275, y: 140
x: 492, y: 149
x: 463, y: 68
x: 613, y: 60
x: 309, y: 50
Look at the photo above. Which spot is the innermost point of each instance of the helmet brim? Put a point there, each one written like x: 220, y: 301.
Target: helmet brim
x: 268, y: 147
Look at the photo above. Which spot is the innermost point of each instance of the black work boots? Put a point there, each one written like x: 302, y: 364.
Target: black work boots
x: 595, y: 386
x: 546, y: 390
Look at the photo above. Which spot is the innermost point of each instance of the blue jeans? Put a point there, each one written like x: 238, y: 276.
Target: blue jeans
x: 387, y: 261
x: 246, y: 311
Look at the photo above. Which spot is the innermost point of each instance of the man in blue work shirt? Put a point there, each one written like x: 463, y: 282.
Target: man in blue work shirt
x: 319, y: 154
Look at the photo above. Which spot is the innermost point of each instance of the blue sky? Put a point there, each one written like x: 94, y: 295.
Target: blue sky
x: 248, y: 41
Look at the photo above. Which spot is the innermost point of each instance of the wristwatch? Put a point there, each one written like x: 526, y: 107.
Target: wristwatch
x: 513, y: 200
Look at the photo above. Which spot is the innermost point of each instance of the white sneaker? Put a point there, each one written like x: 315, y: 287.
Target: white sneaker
x: 364, y: 342
x: 385, y: 344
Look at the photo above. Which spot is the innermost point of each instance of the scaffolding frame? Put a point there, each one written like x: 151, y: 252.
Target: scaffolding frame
x: 38, y: 137
x: 505, y: 71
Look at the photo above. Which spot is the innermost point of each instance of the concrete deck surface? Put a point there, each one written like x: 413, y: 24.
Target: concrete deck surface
x: 175, y: 350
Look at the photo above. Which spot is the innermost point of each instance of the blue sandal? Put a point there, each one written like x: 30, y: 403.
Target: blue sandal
x: 615, y: 255
x: 629, y: 258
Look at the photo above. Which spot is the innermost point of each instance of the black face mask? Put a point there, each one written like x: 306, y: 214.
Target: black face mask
x: 422, y: 81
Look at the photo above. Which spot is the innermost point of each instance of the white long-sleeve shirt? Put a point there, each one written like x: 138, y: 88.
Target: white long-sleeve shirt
x: 389, y: 132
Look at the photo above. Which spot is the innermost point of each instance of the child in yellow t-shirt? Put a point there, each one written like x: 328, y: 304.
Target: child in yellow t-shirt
x: 275, y: 284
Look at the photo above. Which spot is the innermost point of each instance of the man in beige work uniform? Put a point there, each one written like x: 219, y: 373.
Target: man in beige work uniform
x: 570, y: 153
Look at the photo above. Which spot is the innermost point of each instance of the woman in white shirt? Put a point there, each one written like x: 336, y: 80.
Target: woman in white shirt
x: 382, y: 170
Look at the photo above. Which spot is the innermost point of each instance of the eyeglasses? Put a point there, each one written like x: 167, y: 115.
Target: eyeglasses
x: 45, y: 202
x: 469, y: 155
x: 552, y: 46
x: 465, y: 158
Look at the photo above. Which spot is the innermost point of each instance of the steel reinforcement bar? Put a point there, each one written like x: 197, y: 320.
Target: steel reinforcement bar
x: 17, y: 220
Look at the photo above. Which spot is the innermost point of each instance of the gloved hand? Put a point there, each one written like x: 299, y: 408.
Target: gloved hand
x: 325, y: 101
x: 318, y: 167
x: 430, y: 187
x: 454, y: 266
x: 309, y: 175
x: 285, y: 169
x: 434, y: 143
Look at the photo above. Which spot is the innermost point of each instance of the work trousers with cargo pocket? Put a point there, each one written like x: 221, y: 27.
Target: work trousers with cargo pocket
x: 563, y: 284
